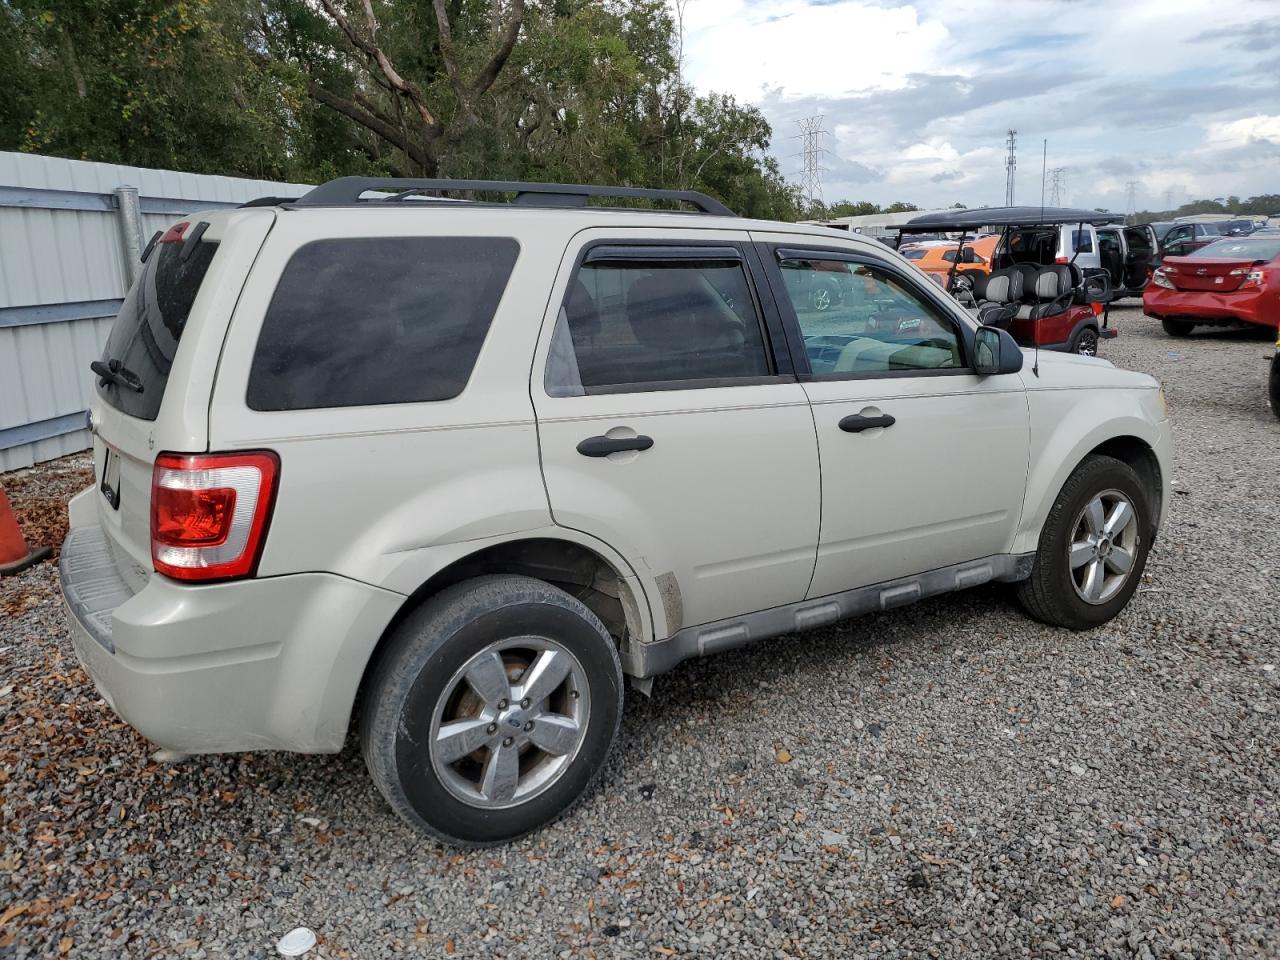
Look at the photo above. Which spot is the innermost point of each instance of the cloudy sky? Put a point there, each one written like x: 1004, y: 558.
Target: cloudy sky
x: 1182, y: 96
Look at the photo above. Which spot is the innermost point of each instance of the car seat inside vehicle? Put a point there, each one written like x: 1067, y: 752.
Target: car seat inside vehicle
x: 660, y: 325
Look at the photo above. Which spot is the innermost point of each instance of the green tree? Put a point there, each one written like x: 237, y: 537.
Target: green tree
x: 141, y: 82
x: 574, y: 90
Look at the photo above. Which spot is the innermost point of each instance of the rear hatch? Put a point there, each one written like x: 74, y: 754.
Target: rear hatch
x: 156, y: 373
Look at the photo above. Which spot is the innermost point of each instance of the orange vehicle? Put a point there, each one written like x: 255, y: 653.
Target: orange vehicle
x: 936, y: 258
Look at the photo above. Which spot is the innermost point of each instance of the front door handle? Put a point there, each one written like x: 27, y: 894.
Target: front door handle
x: 856, y: 423
x: 603, y: 446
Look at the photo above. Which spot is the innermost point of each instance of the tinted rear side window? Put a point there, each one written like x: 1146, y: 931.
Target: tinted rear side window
x: 378, y: 320
x: 145, y: 335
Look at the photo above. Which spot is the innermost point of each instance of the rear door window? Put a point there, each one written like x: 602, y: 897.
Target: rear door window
x: 375, y: 320
x: 145, y: 335
x: 1137, y: 240
x: 634, y: 325
x: 1082, y: 241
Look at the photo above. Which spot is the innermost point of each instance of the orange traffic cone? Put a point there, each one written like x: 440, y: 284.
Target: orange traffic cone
x: 14, y: 555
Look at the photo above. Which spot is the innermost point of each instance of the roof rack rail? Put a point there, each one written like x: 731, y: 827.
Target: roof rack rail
x: 347, y: 190
x: 267, y: 202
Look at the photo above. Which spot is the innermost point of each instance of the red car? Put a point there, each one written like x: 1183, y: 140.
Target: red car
x: 1230, y: 281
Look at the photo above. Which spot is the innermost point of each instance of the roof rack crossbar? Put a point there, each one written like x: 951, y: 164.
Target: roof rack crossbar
x: 347, y: 190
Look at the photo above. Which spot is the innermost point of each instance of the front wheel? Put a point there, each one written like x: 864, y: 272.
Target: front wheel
x: 1093, y: 547
x: 1177, y: 328
x: 492, y: 710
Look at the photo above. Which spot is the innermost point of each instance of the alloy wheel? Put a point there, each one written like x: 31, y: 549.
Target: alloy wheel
x: 1087, y: 345
x: 1104, y: 546
x: 509, y: 722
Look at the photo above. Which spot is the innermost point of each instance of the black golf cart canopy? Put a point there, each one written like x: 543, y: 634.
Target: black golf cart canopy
x: 951, y: 221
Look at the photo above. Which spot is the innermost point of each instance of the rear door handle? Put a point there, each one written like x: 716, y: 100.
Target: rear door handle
x: 856, y: 423
x: 603, y: 446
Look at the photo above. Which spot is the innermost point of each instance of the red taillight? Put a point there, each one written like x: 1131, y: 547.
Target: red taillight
x: 174, y: 233
x: 209, y: 513
x: 1253, y: 278
x: 1097, y: 308
x: 1061, y: 260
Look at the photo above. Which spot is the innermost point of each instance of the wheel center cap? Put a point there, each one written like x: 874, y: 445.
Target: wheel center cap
x: 513, y: 719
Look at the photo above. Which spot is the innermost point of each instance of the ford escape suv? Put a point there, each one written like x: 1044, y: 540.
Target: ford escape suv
x: 447, y: 472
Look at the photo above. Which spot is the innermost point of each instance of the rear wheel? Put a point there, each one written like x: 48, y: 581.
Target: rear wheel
x: 1177, y: 328
x: 1093, y: 547
x: 1085, y: 342
x: 493, y: 709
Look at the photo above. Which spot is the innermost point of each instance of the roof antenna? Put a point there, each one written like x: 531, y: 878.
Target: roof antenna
x: 1044, y: 163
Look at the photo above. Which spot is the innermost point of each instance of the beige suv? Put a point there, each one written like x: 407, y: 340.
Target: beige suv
x: 451, y: 470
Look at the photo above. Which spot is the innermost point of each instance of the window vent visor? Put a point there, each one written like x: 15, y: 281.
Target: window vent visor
x: 209, y: 513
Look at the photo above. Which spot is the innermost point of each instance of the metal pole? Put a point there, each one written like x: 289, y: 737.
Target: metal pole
x: 129, y: 216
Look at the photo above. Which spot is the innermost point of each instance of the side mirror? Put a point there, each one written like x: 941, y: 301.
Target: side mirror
x: 995, y: 352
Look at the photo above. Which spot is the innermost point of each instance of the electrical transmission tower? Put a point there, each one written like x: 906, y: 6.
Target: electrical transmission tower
x: 1057, y: 185
x: 1130, y: 199
x: 1010, y: 165
x: 811, y: 134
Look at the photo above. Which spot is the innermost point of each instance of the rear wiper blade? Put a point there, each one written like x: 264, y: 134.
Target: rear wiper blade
x: 113, y: 371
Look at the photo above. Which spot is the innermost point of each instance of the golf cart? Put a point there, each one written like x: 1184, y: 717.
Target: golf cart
x: 1039, y: 288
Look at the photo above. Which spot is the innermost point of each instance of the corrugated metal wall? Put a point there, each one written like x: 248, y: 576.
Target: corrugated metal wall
x: 62, y: 277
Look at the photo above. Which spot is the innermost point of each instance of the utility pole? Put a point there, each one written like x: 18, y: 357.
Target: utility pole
x: 1168, y: 199
x: 1130, y: 199
x: 811, y: 135
x: 1010, y: 165
x: 1057, y: 185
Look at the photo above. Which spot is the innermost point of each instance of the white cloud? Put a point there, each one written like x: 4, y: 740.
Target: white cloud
x: 802, y: 49
x: 1173, y: 94
x: 1245, y: 130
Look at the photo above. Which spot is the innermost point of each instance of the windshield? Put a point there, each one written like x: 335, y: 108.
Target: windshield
x: 145, y: 336
x: 914, y: 253
x: 1253, y: 248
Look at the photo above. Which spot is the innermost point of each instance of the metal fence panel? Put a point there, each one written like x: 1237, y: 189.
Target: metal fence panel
x: 62, y: 277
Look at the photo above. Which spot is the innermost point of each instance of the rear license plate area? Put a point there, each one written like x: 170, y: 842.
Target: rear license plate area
x: 110, y: 485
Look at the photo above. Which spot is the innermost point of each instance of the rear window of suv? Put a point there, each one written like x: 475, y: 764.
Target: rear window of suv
x: 145, y: 335
x: 377, y: 320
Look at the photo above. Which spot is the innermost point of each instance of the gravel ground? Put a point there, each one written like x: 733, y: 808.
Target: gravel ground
x: 946, y: 780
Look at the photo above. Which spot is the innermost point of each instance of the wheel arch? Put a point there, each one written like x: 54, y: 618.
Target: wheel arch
x: 586, y: 571
x: 1130, y: 440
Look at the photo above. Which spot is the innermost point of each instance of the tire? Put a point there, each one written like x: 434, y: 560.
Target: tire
x: 1273, y: 385
x: 1052, y: 593
x: 418, y: 687
x: 1177, y: 328
x: 1085, y: 342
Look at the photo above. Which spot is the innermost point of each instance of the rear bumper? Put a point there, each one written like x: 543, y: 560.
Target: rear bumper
x: 1261, y: 308
x: 270, y: 664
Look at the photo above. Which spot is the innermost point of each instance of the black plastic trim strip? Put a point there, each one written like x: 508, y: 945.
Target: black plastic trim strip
x: 660, y: 253
x: 659, y: 656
